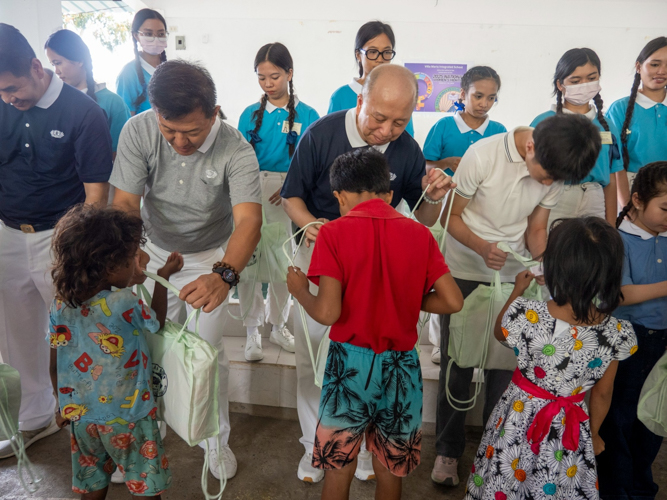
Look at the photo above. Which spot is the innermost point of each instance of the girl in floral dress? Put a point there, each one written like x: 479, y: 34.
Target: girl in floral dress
x: 540, y: 442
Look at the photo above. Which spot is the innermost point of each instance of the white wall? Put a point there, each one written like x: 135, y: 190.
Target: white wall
x: 521, y: 39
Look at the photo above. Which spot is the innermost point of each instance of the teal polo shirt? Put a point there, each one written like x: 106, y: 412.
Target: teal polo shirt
x: 115, y: 109
x: 129, y: 87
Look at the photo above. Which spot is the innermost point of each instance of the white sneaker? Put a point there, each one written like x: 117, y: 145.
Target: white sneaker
x: 253, y: 347
x: 117, y: 477
x: 228, y: 459
x: 435, y: 355
x: 283, y: 338
x: 29, y: 437
x: 364, y: 470
x: 307, y: 472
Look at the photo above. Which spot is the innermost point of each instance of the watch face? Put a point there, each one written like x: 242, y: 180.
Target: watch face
x: 228, y: 275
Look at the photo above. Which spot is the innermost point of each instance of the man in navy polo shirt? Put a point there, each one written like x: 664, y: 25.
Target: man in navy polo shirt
x: 55, y: 152
x: 383, y: 110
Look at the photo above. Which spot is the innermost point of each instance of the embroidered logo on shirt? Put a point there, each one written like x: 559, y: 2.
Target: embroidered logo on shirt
x: 57, y: 134
x: 210, y: 174
x: 392, y: 176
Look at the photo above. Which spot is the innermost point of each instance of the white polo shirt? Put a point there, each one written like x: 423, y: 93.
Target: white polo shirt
x: 494, y: 177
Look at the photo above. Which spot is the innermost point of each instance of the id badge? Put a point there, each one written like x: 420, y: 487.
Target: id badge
x: 296, y: 127
x: 606, y: 138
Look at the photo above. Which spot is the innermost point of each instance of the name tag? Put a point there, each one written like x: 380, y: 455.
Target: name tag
x: 606, y: 138
x: 296, y: 127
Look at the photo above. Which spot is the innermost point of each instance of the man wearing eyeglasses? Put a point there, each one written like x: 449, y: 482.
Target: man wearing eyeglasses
x: 383, y: 110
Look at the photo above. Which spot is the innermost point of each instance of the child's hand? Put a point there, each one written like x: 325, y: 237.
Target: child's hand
x: 523, y: 281
x: 173, y: 265
x: 60, y: 421
x: 297, y: 281
x: 598, y: 444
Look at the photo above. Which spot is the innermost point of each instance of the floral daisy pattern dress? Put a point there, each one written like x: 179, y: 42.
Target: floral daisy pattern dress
x: 565, y: 361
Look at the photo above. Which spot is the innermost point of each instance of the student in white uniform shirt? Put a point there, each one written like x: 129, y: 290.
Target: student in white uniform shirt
x: 273, y: 127
x: 577, y: 83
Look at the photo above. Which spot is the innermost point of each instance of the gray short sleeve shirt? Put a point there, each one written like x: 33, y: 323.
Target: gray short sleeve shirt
x: 188, y: 200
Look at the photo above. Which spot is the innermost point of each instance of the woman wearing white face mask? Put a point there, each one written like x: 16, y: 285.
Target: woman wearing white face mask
x: 577, y: 82
x: 149, y: 29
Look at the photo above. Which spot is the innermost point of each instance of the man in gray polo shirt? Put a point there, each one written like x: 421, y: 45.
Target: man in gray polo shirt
x: 200, y: 185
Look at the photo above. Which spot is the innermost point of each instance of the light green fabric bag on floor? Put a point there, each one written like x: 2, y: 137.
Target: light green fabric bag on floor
x: 652, y: 408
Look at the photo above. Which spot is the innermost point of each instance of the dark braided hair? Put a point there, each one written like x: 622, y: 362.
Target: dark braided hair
x: 476, y: 74
x: 650, y: 182
x: 69, y: 45
x: 139, y: 19
x: 369, y: 31
x: 278, y: 55
x: 651, y: 47
x: 567, y: 64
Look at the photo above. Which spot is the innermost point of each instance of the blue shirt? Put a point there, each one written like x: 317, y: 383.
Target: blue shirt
x: 104, y: 366
x: 48, y: 152
x: 116, y: 111
x: 647, y: 141
x: 130, y: 88
x: 345, y: 97
x: 609, y: 160
x: 330, y: 137
x: 645, y: 263
x: 273, y: 149
x: 451, y: 136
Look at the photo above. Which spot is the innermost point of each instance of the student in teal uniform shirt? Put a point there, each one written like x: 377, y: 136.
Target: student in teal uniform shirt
x: 71, y: 61
x: 273, y: 126
x: 373, y: 46
x: 149, y: 29
x: 577, y: 82
x: 642, y: 124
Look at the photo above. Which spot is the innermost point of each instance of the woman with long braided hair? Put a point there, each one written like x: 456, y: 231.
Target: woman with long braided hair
x: 273, y: 127
x: 642, y: 116
x: 577, y: 89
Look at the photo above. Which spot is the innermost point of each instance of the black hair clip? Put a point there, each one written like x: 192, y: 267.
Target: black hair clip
x: 254, y: 137
x: 459, y: 106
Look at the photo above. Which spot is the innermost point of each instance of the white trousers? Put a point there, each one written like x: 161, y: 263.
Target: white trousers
x: 251, y: 299
x: 579, y: 200
x: 211, y: 325
x: 26, y: 294
x: 307, y: 393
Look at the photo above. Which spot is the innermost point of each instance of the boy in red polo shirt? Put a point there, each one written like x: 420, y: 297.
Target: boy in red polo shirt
x: 375, y: 269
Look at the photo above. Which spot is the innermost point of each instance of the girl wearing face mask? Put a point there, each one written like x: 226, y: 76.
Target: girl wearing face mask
x: 642, y: 116
x: 149, y: 30
x: 273, y: 127
x: 373, y: 46
x: 71, y: 61
x: 577, y: 83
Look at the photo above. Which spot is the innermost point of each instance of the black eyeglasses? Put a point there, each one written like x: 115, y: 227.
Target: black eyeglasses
x: 374, y: 54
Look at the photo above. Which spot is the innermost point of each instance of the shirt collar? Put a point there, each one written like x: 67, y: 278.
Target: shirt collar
x: 353, y: 134
x: 146, y: 66
x: 355, y: 86
x: 464, y: 128
x: 376, y: 209
x: 210, y: 138
x: 648, y: 103
x: 511, y: 151
x: 98, y: 87
x: 270, y: 108
x: 591, y: 114
x: 52, y: 93
x: 631, y: 228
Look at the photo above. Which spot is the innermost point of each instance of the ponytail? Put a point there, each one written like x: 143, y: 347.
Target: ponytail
x: 258, y: 117
x: 628, y: 118
x: 290, y: 119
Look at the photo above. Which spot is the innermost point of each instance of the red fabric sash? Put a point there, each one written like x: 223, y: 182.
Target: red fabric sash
x: 539, y: 428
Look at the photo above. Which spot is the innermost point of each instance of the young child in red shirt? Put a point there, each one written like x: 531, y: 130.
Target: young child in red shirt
x: 375, y: 269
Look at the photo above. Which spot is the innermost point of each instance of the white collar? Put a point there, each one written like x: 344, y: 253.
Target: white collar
x: 270, y: 108
x: 353, y: 134
x: 210, y: 138
x: 591, y: 114
x: 52, y: 93
x: 146, y: 66
x: 633, y: 229
x: 511, y: 151
x: 355, y: 86
x: 647, y: 102
x: 98, y: 87
x: 464, y: 128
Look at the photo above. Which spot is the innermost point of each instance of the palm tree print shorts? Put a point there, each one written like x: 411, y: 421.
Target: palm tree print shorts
x: 378, y: 396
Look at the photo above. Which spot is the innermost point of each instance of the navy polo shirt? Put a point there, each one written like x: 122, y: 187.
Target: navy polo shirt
x: 327, y: 139
x: 48, y: 152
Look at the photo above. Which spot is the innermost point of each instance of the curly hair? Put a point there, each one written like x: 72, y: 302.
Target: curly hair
x: 88, y: 244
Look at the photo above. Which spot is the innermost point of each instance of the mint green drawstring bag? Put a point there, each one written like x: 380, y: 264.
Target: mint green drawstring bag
x: 652, y: 408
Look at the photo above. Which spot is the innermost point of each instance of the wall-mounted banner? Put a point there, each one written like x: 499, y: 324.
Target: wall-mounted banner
x: 439, y: 85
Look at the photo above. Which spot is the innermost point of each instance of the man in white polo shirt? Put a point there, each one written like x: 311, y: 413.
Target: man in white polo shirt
x: 506, y: 186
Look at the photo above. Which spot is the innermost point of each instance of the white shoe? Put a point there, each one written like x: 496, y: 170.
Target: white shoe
x: 435, y: 355
x: 117, y: 477
x: 364, y: 470
x: 29, y: 437
x: 307, y: 472
x: 162, y: 425
x: 253, y: 347
x: 228, y: 459
x: 283, y: 338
